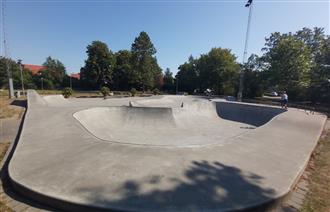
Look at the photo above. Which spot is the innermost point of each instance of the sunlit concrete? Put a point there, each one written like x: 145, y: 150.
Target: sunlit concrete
x: 163, y: 153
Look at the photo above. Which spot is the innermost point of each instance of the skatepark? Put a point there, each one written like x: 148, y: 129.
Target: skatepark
x: 160, y: 153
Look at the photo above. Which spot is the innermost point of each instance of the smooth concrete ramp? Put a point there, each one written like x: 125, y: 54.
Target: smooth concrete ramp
x: 194, y: 123
x: 60, y: 163
x: 56, y: 100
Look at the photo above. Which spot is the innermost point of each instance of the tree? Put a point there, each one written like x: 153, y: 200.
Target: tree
x: 320, y: 74
x: 216, y: 70
x: 144, y: 61
x: 143, y: 46
x: 159, y: 81
x: 16, y: 75
x: 219, y: 71
x: 296, y: 61
x: 124, y: 76
x: 187, y: 77
x: 312, y: 38
x: 319, y: 45
x: 98, y: 66
x: 3, y: 71
x: 168, y: 80
x: 54, y: 71
x: 289, y: 62
x: 253, y: 77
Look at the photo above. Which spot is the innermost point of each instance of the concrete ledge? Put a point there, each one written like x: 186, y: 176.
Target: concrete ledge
x: 58, y: 163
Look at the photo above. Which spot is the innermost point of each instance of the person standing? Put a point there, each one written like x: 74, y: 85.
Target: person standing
x: 284, y: 100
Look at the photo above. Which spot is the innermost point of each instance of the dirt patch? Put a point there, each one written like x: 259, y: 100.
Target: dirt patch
x: 318, y: 197
x: 10, y: 108
x: 3, y: 149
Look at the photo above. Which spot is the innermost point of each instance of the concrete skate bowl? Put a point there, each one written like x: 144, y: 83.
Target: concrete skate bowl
x: 214, y: 156
x: 196, y: 123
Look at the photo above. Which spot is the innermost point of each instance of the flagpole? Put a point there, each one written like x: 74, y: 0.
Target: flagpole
x: 241, y: 77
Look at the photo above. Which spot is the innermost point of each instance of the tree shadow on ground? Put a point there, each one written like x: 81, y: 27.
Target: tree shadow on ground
x: 206, y: 185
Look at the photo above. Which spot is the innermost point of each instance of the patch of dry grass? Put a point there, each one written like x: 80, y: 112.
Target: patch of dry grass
x: 318, y: 197
x: 3, y: 149
x: 49, y: 92
x: 4, y: 207
x: 6, y: 111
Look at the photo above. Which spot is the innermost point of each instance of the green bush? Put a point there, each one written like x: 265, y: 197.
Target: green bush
x: 228, y: 89
x: 156, y: 91
x: 105, y: 91
x: 133, y: 91
x: 67, y: 92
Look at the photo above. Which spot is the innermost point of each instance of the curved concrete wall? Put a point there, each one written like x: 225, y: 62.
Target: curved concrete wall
x: 117, y: 117
x: 195, y: 123
x: 255, y: 115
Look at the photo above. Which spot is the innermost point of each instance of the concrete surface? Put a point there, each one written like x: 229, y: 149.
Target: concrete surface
x: 58, y: 161
x: 171, y: 122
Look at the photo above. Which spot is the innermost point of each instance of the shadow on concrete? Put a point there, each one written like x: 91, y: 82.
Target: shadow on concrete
x: 208, y: 185
x: 256, y: 115
x: 19, y: 103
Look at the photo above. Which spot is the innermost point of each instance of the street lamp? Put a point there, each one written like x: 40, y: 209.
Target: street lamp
x: 42, y: 84
x: 5, y: 47
x: 21, y: 69
x: 241, y: 77
x: 70, y: 81
x: 177, y: 86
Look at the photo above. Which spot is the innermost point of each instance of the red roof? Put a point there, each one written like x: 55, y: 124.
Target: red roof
x: 34, y: 68
x: 77, y: 76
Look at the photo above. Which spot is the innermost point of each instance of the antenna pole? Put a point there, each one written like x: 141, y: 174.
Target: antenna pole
x: 241, y: 77
x: 5, y: 47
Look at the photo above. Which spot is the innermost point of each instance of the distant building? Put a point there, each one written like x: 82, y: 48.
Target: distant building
x: 35, y: 69
x: 75, y: 75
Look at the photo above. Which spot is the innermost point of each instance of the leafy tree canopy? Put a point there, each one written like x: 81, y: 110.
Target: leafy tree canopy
x: 98, y: 66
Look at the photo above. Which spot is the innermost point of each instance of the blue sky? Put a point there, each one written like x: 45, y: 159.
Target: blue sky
x: 62, y: 29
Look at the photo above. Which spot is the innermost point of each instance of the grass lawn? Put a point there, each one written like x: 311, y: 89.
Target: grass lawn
x: 318, y: 197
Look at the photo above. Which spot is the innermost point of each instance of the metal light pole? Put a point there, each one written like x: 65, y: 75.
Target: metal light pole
x: 70, y: 82
x: 177, y: 86
x: 21, y: 69
x: 42, y: 84
x: 9, y: 73
x: 241, y: 77
x: 10, y: 80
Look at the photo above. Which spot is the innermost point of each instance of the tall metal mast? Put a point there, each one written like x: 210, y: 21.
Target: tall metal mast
x: 5, y: 50
x: 241, y: 77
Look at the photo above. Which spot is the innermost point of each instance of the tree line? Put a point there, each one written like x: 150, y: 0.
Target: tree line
x: 123, y: 70
x: 53, y: 76
x: 298, y: 63
x: 294, y: 62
